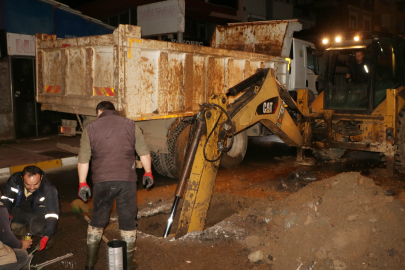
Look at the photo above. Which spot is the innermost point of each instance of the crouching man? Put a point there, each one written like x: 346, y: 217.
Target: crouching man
x: 32, y: 200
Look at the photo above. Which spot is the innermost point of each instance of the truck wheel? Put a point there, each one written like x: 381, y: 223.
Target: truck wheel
x: 158, y: 162
x: 234, y: 157
x: 400, y: 141
x: 177, y: 145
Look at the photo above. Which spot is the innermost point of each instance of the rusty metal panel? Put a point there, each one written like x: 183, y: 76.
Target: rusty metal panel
x: 146, y: 79
x: 188, y: 81
x: 215, y: 76
x: 234, y: 72
x: 176, y: 99
x: 271, y: 37
x: 76, y: 66
x: 132, y: 84
x: 104, y: 70
x: 198, y: 73
x: 52, y: 62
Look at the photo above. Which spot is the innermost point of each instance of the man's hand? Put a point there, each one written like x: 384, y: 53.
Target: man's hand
x: 42, y: 244
x: 26, y: 244
x: 147, y: 179
x: 84, y: 191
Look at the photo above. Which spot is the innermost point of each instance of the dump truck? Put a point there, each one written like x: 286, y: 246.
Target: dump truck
x: 158, y: 84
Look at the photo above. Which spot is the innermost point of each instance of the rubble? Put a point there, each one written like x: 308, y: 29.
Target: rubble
x: 343, y: 222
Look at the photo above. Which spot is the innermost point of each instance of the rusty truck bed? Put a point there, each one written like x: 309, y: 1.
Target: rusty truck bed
x: 145, y: 79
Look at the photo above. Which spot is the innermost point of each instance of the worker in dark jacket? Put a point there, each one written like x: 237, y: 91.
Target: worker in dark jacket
x: 111, y: 141
x: 32, y: 200
x: 13, y: 252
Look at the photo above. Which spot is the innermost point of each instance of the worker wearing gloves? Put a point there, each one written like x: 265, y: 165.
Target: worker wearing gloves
x: 13, y: 252
x: 32, y: 200
x: 111, y: 141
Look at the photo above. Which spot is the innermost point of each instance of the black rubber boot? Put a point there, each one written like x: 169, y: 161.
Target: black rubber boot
x: 130, y: 237
x: 93, y: 242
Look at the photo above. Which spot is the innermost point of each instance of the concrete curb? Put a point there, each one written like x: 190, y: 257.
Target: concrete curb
x: 44, y: 165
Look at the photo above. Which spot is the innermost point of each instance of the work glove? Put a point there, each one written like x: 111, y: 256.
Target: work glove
x: 42, y: 244
x: 84, y: 191
x: 147, y: 179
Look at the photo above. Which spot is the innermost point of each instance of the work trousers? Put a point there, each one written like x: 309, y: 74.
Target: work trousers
x: 35, y: 221
x: 22, y: 259
x: 124, y: 192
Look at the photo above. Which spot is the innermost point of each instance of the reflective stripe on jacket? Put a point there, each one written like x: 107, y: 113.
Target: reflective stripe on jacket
x: 44, y: 201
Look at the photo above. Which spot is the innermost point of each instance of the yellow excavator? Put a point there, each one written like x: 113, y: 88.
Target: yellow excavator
x: 360, y: 111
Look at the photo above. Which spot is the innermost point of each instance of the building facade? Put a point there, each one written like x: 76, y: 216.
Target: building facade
x: 20, y: 115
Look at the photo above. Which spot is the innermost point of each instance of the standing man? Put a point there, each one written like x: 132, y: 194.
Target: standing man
x: 111, y: 141
x: 32, y: 200
x: 358, y: 72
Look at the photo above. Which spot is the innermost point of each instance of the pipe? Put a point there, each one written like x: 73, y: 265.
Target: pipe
x: 185, y: 173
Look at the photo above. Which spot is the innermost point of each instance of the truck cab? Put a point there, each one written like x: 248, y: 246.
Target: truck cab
x: 303, y: 67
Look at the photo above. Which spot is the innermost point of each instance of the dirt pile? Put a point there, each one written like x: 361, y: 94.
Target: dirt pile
x: 343, y: 222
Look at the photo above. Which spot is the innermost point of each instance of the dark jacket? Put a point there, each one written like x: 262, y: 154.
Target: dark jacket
x: 7, y: 237
x: 359, y: 72
x: 112, y: 141
x: 44, y: 200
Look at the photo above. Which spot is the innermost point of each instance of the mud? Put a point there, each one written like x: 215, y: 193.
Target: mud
x: 352, y: 228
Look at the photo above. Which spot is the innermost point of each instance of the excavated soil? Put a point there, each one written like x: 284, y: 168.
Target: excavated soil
x: 268, y: 213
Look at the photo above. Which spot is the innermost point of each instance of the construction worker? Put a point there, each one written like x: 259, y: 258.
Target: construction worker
x: 358, y: 71
x: 32, y: 200
x: 111, y: 141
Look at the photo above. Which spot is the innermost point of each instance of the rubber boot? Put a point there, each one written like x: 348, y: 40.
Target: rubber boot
x: 93, y: 241
x: 130, y: 237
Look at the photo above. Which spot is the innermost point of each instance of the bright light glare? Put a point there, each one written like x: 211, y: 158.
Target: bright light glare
x: 365, y: 68
x: 356, y: 38
x: 338, y: 39
x: 325, y: 41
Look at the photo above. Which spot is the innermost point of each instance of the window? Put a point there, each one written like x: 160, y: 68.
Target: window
x: 227, y: 3
x: 353, y: 22
x: 367, y: 26
x: 385, y: 2
x: 387, y: 72
x: 312, y: 61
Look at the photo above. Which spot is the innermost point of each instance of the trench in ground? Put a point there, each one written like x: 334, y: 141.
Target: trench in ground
x: 221, y: 207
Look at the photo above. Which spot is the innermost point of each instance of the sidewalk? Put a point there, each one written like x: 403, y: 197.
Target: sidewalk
x: 41, y: 152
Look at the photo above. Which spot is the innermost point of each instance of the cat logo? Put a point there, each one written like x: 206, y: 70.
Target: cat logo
x: 268, y: 107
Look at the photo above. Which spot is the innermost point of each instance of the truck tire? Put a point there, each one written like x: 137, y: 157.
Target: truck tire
x: 158, y: 162
x: 177, y: 145
x: 331, y: 153
x: 400, y: 141
x: 234, y: 157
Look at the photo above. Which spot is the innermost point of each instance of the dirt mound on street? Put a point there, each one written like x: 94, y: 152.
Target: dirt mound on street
x: 343, y: 222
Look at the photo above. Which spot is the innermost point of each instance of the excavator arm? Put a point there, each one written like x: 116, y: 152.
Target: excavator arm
x: 261, y: 99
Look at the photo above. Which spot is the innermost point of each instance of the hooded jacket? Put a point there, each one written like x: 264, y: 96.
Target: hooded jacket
x: 44, y: 201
